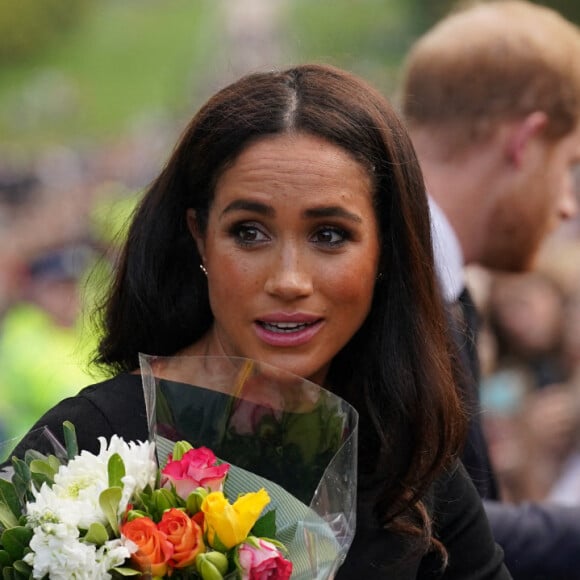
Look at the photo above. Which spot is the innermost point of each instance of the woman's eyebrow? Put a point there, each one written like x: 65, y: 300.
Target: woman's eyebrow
x: 248, y: 205
x: 332, y: 211
x: 314, y: 212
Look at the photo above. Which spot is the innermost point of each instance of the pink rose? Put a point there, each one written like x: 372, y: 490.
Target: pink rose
x: 258, y: 559
x: 247, y: 417
x: 197, y: 468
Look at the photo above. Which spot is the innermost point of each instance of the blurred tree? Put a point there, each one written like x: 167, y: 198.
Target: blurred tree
x: 568, y: 8
x: 27, y: 27
x: 368, y: 37
x: 424, y: 13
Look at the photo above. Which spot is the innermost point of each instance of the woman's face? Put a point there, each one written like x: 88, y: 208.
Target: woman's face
x: 292, y: 251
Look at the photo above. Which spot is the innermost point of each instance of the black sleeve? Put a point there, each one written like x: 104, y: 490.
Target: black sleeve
x: 540, y: 541
x: 113, y: 407
x: 463, y: 528
x: 460, y: 524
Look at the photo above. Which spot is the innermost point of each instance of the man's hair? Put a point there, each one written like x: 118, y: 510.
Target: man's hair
x: 489, y: 62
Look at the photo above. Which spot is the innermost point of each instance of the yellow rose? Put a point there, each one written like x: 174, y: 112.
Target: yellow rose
x: 231, y: 523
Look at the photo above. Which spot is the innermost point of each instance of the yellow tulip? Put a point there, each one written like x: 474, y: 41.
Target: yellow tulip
x: 231, y: 523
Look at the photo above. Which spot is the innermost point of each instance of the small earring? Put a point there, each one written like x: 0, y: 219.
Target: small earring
x: 203, y: 269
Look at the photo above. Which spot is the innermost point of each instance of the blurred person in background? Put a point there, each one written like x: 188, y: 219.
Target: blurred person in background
x: 491, y: 96
x: 41, y: 346
x: 526, y: 313
x: 11, y: 272
x: 528, y: 391
x: 566, y: 487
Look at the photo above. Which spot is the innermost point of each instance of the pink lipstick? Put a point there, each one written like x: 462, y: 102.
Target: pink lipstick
x: 287, y: 330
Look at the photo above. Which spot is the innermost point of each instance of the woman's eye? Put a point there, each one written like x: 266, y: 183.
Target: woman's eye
x: 331, y: 236
x: 246, y: 234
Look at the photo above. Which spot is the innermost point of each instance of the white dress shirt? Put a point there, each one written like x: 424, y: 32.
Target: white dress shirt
x: 449, y: 262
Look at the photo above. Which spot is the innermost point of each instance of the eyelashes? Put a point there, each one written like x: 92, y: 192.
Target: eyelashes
x: 331, y: 236
x: 249, y: 235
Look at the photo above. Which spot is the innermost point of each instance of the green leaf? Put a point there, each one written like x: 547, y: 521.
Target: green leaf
x: 42, y: 467
x: 23, y: 568
x: 109, y: 502
x: 116, y: 470
x: 180, y: 449
x: 127, y: 571
x: 194, y: 499
x: 31, y: 454
x: 218, y: 545
x: 9, y: 497
x: 15, y: 540
x: 37, y: 480
x: 5, y: 559
x: 21, y: 470
x: 96, y: 534
x: 54, y: 462
x: 7, y: 519
x: 207, y: 569
x: 22, y: 479
x: 163, y: 500
x: 70, y: 440
x: 265, y: 527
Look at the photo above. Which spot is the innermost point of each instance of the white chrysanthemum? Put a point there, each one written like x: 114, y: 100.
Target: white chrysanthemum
x: 57, y: 552
x: 74, y: 496
x: 140, y: 467
x: 112, y: 553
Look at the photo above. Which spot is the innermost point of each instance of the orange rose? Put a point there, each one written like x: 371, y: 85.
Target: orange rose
x: 185, y: 535
x: 154, y: 550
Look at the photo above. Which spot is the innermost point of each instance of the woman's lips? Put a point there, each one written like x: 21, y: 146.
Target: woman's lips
x: 287, y: 333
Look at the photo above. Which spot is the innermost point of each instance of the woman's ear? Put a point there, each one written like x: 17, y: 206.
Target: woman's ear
x: 193, y: 227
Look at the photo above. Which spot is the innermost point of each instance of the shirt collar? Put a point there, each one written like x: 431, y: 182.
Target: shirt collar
x: 449, y: 262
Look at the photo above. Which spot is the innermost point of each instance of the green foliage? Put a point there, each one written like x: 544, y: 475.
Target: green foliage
x: 116, y: 470
x: 265, y: 527
x: 15, y: 540
x: 211, y: 565
x: 124, y: 62
x: 368, y: 37
x: 70, y: 439
x: 568, y: 9
x: 109, y: 501
x: 10, y: 506
x: 28, y: 27
x: 15, y: 536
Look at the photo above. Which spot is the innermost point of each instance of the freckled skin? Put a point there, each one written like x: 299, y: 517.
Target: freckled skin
x: 291, y: 230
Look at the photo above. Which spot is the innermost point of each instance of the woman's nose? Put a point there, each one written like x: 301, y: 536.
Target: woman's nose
x: 289, y: 277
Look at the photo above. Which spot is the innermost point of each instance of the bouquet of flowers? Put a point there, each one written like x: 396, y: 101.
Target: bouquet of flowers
x: 249, y: 472
x: 116, y: 514
x: 279, y: 432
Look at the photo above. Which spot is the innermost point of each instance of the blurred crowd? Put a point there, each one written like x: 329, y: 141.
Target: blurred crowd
x: 529, y: 350
x: 61, y: 219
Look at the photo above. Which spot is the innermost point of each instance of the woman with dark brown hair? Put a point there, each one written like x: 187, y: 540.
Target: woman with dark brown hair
x: 291, y: 226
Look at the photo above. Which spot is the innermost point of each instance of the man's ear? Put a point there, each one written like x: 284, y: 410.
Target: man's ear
x: 193, y: 227
x: 522, y: 134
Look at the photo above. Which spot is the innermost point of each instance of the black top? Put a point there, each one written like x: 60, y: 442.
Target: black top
x: 117, y: 407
